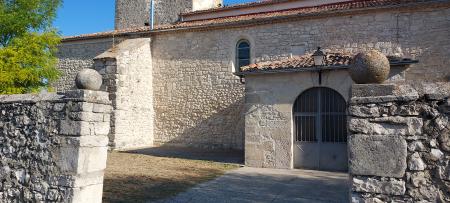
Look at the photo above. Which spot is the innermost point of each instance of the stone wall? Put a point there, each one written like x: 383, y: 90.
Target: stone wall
x: 53, y: 147
x: 167, y: 11
x: 132, y: 13
x: 198, y: 100
x: 127, y: 77
x: 75, y: 56
x: 269, y: 100
x: 195, y: 89
x: 399, y: 146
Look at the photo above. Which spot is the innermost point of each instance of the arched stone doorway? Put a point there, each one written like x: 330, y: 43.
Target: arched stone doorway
x: 320, y: 130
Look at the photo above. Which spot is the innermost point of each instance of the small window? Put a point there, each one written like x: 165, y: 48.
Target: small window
x: 243, y: 53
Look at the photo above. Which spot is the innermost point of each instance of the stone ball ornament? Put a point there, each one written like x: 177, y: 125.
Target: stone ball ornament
x: 370, y: 67
x: 88, y: 79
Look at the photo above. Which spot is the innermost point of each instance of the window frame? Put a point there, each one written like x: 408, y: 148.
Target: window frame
x: 237, y: 55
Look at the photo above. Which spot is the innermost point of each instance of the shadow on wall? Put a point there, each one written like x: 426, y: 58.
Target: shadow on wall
x: 223, y: 130
x: 218, y: 138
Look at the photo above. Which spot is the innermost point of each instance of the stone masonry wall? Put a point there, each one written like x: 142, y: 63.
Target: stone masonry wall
x: 195, y: 92
x: 74, y: 56
x: 197, y: 98
x: 53, y: 147
x: 132, y: 13
x: 399, y: 143
x: 167, y: 11
x: 127, y: 77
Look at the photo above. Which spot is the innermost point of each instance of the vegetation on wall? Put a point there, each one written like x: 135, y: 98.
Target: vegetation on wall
x: 28, y: 45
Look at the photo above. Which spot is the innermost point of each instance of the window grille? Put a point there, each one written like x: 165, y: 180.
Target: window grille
x: 243, y: 53
x: 320, y: 116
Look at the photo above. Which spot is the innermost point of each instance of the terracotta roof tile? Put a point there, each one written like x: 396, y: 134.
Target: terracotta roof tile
x: 333, y: 60
x: 296, y: 62
x: 266, y: 17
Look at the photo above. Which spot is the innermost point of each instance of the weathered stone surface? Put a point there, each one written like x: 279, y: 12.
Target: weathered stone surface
x: 424, y: 124
x: 444, y: 171
x: 88, y: 79
x: 415, y: 162
x: 444, y: 140
x: 39, y: 163
x: 370, y: 67
x: 377, y: 155
x: 382, y: 93
x: 416, y: 146
x: 387, y: 126
x: 127, y: 71
x: 372, y: 185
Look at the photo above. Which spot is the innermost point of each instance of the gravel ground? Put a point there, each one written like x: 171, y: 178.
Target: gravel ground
x: 131, y: 177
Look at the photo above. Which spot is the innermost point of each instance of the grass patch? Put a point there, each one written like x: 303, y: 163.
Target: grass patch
x: 141, y: 178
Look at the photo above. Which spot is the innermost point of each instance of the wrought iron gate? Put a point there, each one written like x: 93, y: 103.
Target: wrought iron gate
x: 320, y: 130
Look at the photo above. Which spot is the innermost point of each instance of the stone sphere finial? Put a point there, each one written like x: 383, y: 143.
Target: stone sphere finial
x: 88, y: 79
x: 370, y: 67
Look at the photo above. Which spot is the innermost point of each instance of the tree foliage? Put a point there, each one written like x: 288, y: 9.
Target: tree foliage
x: 28, y: 45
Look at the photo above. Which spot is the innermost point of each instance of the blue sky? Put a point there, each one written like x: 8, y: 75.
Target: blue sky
x: 88, y: 16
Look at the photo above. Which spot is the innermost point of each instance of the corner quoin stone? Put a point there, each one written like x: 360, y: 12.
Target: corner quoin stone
x: 376, y: 155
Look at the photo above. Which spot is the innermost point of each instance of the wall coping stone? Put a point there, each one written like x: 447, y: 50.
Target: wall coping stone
x: 382, y: 93
x: 71, y: 95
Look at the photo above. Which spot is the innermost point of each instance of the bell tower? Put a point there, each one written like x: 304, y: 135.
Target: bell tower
x: 138, y: 13
x: 132, y: 13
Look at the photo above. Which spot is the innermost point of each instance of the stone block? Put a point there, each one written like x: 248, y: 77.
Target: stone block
x: 90, y: 193
x: 102, y: 108
x: 364, y: 111
x: 87, y: 96
x: 101, y: 128
x: 377, y: 155
x: 75, y: 128
x: 372, y: 185
x: 381, y: 93
x: 387, y: 126
x: 86, y: 116
x: 82, y: 106
x: 415, y: 162
x: 91, y: 159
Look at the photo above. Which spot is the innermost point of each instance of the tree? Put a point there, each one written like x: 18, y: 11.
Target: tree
x: 28, y: 45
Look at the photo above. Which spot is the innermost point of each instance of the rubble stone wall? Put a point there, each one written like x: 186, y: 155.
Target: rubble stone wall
x: 53, y: 147
x: 75, y: 56
x: 132, y: 13
x: 399, y: 143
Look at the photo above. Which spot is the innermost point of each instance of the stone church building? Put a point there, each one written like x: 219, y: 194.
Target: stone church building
x: 200, y: 74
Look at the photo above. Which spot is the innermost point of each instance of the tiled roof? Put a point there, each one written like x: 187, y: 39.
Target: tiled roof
x: 356, y: 5
x: 299, y: 62
x: 306, y: 62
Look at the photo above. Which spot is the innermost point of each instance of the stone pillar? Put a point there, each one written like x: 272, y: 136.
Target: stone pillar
x: 397, y: 143
x: 84, y: 144
x: 53, y: 147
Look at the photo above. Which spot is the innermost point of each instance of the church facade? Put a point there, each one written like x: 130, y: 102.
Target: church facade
x: 174, y: 73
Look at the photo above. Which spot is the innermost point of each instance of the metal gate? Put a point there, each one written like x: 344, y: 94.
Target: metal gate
x: 320, y: 130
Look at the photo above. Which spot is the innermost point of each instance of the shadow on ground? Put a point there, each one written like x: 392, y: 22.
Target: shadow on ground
x: 268, y: 185
x: 142, y: 178
x: 222, y: 156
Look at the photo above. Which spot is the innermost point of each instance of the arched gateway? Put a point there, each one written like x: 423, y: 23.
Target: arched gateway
x: 320, y: 130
